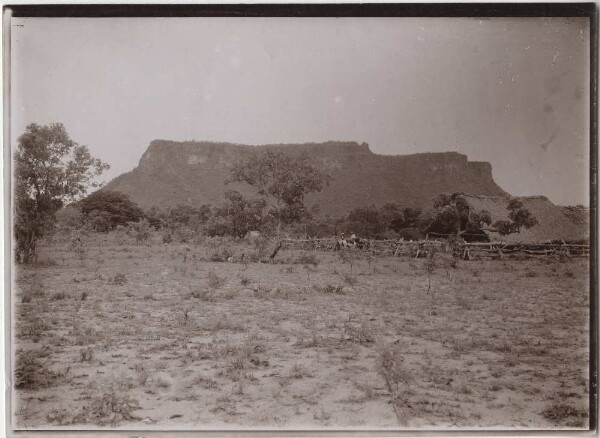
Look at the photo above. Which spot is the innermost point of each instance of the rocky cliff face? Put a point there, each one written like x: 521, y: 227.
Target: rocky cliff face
x: 195, y: 172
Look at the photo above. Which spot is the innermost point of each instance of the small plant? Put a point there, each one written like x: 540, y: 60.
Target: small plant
x: 361, y: 333
x: 220, y: 255
x: 349, y: 279
x: 140, y: 231
x: 202, y: 294
x: 367, y: 389
x: 561, y: 413
x: 214, y: 281
x: 59, y: 416
x: 86, y: 355
x: 111, y: 407
x: 395, y: 373
x: 347, y: 258
x: 83, y: 296
x: 307, y: 259
x: 142, y: 373
x: 30, y: 370
x: 569, y: 273
x: 58, y: 296
x: 118, y: 280
x: 331, y: 289
x: 167, y: 237
x: 244, y: 281
x: 297, y: 372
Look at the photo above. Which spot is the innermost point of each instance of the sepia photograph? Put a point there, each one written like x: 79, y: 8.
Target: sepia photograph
x: 300, y: 219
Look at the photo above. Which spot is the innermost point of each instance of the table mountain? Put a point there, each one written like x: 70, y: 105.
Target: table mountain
x: 195, y: 173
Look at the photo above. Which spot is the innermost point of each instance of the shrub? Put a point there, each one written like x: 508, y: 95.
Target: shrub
x: 58, y: 296
x: 118, y: 280
x: 214, y: 280
x: 410, y: 233
x: 350, y: 279
x: 140, y: 231
x: 220, y: 255
x: 361, y: 333
x: 167, y: 237
x: 30, y: 370
x: 559, y: 412
x: 111, y: 407
x: 244, y: 281
x: 307, y: 259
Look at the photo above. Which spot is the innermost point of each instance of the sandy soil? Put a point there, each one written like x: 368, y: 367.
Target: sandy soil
x: 180, y: 341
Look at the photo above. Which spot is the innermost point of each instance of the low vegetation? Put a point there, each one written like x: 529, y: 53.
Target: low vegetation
x: 167, y: 333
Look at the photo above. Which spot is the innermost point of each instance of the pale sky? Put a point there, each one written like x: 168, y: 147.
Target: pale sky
x: 511, y: 91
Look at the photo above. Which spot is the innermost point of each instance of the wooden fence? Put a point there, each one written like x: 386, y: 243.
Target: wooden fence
x: 464, y: 250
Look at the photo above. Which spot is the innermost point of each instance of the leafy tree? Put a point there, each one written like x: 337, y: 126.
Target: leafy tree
x: 70, y: 216
x: 237, y: 215
x: 282, y: 180
x: 155, y: 217
x: 113, y: 207
x: 50, y: 169
x: 99, y: 220
x: 412, y: 217
x: 192, y: 217
x: 454, y: 215
x: 393, y: 216
x: 367, y: 222
x: 518, y: 217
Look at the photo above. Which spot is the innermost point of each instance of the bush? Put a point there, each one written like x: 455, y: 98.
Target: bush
x: 106, y: 208
x: 220, y: 255
x: 140, y: 231
x: 307, y: 259
x: 118, y: 280
x: 30, y: 370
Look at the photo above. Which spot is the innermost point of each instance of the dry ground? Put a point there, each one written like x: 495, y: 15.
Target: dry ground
x: 155, y: 336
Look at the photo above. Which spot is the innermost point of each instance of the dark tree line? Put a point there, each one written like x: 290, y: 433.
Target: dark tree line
x: 52, y: 170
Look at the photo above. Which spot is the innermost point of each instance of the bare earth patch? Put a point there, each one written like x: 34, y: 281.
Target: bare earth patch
x: 155, y: 336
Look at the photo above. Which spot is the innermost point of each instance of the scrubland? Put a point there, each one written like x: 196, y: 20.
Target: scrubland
x: 110, y: 333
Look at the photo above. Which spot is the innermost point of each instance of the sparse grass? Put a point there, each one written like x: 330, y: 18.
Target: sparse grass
x: 490, y: 348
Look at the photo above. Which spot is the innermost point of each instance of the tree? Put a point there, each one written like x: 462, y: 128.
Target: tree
x: 192, y: 217
x: 393, y: 216
x: 367, y: 222
x: 114, y: 208
x: 236, y: 216
x: 50, y: 169
x: 518, y: 217
x: 282, y: 180
x: 454, y: 215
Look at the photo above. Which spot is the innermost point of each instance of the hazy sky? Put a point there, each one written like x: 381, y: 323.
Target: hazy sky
x: 511, y: 91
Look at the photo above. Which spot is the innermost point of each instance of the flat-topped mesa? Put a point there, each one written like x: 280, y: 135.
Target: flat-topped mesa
x: 332, y: 154
x: 196, y: 173
x: 218, y: 153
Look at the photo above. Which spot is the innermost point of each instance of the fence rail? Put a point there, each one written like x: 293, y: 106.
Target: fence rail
x: 465, y: 250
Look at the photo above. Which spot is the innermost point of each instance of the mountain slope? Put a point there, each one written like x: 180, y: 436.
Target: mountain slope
x: 195, y: 173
